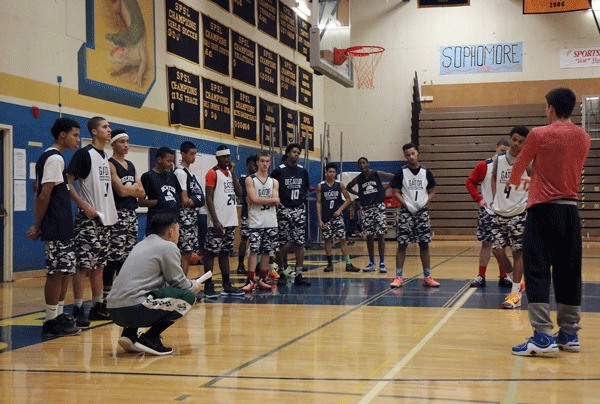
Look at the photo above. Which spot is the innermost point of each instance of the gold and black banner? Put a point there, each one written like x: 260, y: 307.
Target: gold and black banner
x: 184, y: 96
x: 443, y: 3
x: 554, y: 6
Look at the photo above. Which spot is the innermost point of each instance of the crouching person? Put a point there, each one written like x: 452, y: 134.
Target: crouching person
x: 151, y: 289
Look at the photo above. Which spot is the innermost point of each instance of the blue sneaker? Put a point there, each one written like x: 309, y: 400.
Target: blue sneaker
x: 567, y: 342
x: 369, y: 267
x: 382, y: 269
x: 538, y: 345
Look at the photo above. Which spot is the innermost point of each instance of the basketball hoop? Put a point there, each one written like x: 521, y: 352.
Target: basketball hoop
x: 364, y: 58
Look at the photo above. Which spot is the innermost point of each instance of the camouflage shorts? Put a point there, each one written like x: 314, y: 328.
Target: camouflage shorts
x: 291, y: 224
x: 413, y: 227
x: 216, y: 243
x: 485, y: 224
x: 508, y: 231
x: 244, y: 227
x: 372, y: 220
x: 334, y: 229
x: 60, y: 256
x: 91, y: 241
x: 123, y: 235
x: 188, y: 230
x: 264, y: 240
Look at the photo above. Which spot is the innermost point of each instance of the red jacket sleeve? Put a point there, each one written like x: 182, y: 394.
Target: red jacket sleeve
x: 475, y: 178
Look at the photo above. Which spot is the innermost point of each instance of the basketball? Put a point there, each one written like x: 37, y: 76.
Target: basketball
x: 194, y: 259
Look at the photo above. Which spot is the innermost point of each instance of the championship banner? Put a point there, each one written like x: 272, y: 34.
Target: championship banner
x: 182, y: 31
x: 554, y: 6
x: 581, y: 57
x: 443, y: 3
x: 184, y: 95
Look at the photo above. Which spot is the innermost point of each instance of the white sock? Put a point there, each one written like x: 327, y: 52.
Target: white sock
x: 515, y: 287
x: 61, y: 307
x: 509, y: 275
x: 96, y: 299
x: 51, y: 312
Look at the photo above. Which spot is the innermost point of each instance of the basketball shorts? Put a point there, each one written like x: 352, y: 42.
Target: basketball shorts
x: 291, y: 224
x: 372, y: 220
x: 485, y: 224
x: 219, y: 243
x: 413, y: 227
x: 188, y: 230
x: 123, y: 235
x: 60, y: 257
x: 91, y: 241
x: 244, y: 227
x: 264, y: 240
x: 508, y: 231
x: 334, y: 229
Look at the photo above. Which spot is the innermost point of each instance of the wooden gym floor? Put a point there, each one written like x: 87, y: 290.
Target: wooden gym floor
x: 348, y: 338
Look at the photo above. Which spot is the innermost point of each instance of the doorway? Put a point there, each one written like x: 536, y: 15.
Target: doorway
x: 6, y: 203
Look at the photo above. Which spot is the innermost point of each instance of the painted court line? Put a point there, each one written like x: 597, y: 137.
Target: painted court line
x: 394, y: 371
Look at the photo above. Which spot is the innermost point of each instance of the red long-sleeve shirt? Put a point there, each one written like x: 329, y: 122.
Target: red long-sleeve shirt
x: 558, y: 152
x: 475, y: 178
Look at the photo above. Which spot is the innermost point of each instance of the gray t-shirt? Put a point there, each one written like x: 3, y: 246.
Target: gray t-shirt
x: 152, y: 264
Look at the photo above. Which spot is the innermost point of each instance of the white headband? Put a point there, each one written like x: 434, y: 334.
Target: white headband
x: 224, y: 152
x: 119, y: 136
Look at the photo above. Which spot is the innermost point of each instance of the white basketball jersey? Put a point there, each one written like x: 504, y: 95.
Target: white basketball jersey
x: 508, y: 202
x: 414, y: 189
x: 262, y: 216
x: 224, y: 200
x: 96, y: 189
x: 486, y: 185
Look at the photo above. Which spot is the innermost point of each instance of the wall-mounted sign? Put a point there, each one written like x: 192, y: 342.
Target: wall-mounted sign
x: 224, y: 4
x: 287, y: 26
x: 554, y: 6
x: 243, y: 64
x: 184, y: 95
x: 269, y: 123
x: 581, y: 57
x: 182, y: 30
x: 289, y: 125
x: 216, y: 106
x: 488, y: 58
x: 443, y: 3
x: 288, y: 79
x: 244, y: 115
x: 216, y: 45
x: 245, y: 10
x: 303, y: 45
x: 305, y: 79
x: 267, y: 70
x: 267, y: 17
x: 307, y: 128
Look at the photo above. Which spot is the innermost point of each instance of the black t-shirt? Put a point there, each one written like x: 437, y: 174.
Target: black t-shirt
x: 370, y: 189
x: 293, y: 184
x: 165, y: 188
x: 81, y: 163
x: 57, y: 223
x: 127, y: 177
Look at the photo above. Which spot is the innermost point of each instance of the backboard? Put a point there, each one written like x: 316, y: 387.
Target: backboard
x: 330, y: 29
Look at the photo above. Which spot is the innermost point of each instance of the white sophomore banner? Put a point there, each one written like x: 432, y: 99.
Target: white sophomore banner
x: 582, y: 57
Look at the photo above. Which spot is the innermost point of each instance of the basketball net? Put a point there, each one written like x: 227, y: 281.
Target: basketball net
x: 364, y: 59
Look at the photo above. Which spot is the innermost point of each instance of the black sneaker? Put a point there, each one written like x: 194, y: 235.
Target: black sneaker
x: 301, y: 281
x: 242, y: 271
x: 209, y: 291
x: 81, y: 319
x: 99, y: 312
x: 352, y: 268
x: 230, y: 290
x: 504, y: 282
x: 128, y: 339
x: 152, y: 345
x: 329, y: 267
x: 58, y: 327
x: 478, y: 282
x: 282, y: 281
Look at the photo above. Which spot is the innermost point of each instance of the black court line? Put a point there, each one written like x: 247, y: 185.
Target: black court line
x: 298, y: 338
x: 306, y: 334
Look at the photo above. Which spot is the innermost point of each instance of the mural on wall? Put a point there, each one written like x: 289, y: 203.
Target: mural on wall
x: 117, y: 62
